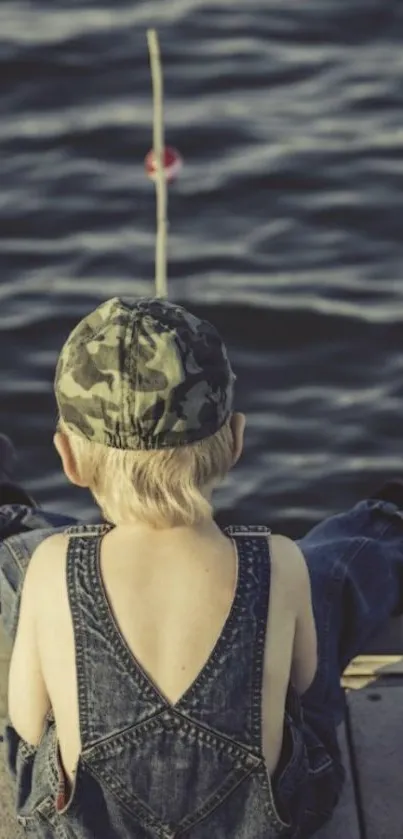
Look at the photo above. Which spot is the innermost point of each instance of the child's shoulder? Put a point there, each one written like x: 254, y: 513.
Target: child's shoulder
x: 55, y: 545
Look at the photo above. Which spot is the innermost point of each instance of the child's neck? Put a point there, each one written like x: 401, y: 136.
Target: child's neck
x: 207, y: 529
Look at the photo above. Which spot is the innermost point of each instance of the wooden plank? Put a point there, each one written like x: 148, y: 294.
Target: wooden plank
x: 359, y: 682
x: 366, y: 670
x: 9, y: 828
x: 377, y: 734
x: 383, y: 665
x: 344, y: 822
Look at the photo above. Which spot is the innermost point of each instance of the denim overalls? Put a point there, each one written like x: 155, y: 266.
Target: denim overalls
x: 149, y: 769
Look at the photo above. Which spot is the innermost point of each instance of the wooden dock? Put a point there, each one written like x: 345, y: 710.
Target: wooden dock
x: 371, y: 739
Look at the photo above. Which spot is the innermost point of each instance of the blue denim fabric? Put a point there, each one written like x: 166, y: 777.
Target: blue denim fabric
x: 197, y: 767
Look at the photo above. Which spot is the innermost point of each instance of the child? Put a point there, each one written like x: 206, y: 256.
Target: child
x: 168, y: 676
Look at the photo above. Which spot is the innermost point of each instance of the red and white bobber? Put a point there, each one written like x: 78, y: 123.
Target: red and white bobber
x: 172, y: 164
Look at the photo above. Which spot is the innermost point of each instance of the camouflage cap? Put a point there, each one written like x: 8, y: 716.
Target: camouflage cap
x: 143, y: 374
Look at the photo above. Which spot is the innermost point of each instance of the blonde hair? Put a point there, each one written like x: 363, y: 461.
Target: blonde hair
x: 162, y: 488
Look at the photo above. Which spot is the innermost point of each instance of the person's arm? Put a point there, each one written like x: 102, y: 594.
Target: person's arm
x: 305, y: 655
x: 28, y: 700
x: 305, y: 652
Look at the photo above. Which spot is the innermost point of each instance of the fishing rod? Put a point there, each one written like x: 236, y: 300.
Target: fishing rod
x: 162, y: 164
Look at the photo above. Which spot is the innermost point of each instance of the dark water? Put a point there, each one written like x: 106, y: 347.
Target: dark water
x: 285, y: 226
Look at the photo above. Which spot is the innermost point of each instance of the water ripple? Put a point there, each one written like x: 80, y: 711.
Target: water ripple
x: 285, y: 227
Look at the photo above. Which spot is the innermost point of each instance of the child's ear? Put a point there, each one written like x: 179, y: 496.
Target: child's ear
x: 62, y: 445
